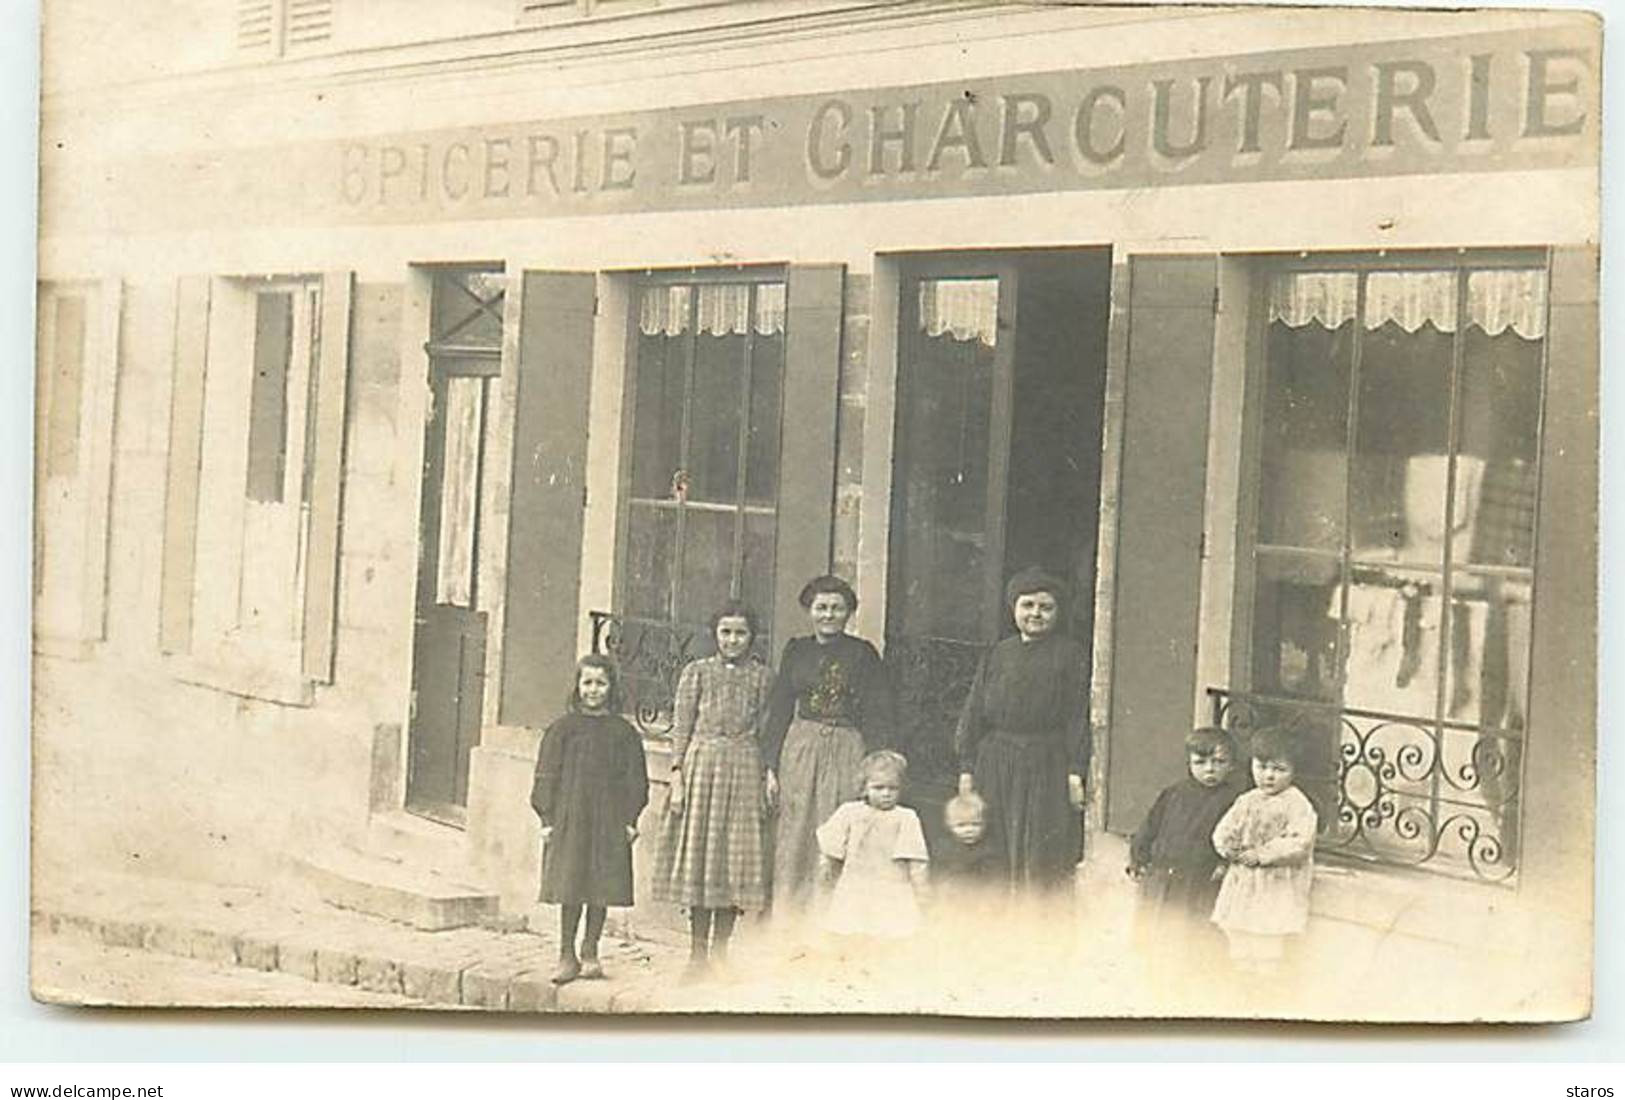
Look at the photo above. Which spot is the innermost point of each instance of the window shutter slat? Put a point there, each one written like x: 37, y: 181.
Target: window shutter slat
x: 327, y: 478
x: 185, y: 465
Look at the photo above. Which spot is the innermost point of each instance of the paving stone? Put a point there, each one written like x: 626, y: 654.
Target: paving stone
x: 336, y: 966
x: 125, y: 933
x: 379, y: 975
x: 532, y: 991
x: 297, y: 958
x: 213, y: 946
x: 483, y: 988
x: 169, y: 939
x: 257, y: 951
x: 432, y: 983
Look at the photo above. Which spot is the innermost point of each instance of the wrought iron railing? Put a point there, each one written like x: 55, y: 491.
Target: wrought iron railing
x: 932, y: 677
x: 1396, y: 789
x: 651, y: 655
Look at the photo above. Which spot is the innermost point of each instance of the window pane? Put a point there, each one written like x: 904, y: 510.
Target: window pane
x: 1295, y: 617
x: 1500, y: 419
x: 651, y: 556
x: 1400, y: 466
x: 714, y: 415
x: 657, y: 431
x: 766, y: 402
x: 940, y: 502
x: 459, y: 491
x: 1305, y: 448
x: 1489, y: 650
x: 268, y: 400
x: 708, y: 557
x: 466, y: 310
x: 756, y: 573
x: 67, y: 382
x: 1395, y: 626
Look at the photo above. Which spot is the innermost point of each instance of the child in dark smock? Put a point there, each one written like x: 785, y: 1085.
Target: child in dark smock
x: 1023, y: 738
x: 1173, y: 858
x: 968, y: 880
x: 591, y: 784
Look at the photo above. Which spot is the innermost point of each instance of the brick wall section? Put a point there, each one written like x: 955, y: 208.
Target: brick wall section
x: 849, y: 426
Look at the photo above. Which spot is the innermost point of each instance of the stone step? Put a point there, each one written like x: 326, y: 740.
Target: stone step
x: 384, y: 888
x: 414, y: 841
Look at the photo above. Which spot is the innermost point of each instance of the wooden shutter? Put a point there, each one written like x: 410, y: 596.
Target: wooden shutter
x: 812, y: 370
x: 101, y: 393
x: 541, y: 619
x: 326, y: 465
x: 1559, y: 798
x: 1158, y: 558
x: 179, y: 577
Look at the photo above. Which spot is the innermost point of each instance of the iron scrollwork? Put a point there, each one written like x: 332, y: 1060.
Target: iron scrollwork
x: 1397, y: 789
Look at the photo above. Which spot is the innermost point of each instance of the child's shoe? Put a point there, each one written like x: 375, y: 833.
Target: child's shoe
x: 568, y: 970
x: 591, y: 970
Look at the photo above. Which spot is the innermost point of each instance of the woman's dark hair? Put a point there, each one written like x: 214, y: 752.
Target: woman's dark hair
x: 616, y: 703
x: 829, y: 582
x: 1208, y: 739
x: 1274, y: 744
x: 1034, y: 579
x: 734, y: 609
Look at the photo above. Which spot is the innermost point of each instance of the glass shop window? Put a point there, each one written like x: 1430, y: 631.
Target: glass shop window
x: 1394, y: 546
x: 701, y: 518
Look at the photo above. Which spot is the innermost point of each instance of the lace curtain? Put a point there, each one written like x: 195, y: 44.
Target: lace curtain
x: 967, y: 308
x: 724, y: 309
x: 1496, y: 300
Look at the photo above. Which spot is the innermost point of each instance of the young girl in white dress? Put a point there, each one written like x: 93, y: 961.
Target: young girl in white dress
x: 873, y: 854
x: 1267, y: 839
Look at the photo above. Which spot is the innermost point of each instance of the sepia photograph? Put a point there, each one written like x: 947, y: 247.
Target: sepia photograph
x: 947, y: 508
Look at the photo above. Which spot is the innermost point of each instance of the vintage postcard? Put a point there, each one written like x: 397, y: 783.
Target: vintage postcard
x: 683, y: 506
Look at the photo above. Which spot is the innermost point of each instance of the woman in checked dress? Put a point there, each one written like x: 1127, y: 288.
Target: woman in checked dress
x: 712, y: 859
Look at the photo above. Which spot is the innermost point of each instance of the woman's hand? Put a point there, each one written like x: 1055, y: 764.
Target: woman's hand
x: 631, y: 834
x: 1074, y: 791
x: 678, y: 794
x: 967, y: 783
x: 770, y: 790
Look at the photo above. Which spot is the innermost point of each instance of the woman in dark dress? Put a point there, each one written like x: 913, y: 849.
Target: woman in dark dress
x: 591, y: 784
x: 1023, y: 738
x: 831, y: 703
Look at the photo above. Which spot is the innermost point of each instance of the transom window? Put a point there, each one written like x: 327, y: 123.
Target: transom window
x: 1397, y: 493
x: 701, y: 517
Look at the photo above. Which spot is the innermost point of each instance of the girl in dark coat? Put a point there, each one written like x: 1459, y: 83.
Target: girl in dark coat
x: 591, y: 785
x: 1023, y: 738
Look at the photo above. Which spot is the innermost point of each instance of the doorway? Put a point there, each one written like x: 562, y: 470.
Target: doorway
x: 449, y: 642
x: 1000, y: 389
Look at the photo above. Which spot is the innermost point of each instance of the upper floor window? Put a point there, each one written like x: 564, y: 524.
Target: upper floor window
x: 279, y: 28
x: 1393, y: 560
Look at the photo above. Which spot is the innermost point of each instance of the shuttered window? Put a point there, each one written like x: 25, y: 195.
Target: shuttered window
x: 276, y: 28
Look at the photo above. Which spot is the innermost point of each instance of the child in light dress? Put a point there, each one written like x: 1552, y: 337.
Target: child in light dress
x: 1267, y: 840
x: 872, y: 853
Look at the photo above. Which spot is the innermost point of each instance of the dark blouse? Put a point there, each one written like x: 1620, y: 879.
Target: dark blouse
x: 841, y: 681
x: 591, y: 766
x: 1031, y: 688
x: 1173, y: 848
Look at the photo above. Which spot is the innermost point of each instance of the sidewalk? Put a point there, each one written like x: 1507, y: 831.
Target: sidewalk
x: 463, y: 968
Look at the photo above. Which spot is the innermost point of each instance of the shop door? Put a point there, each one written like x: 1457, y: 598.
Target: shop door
x: 1000, y: 378
x: 448, y: 664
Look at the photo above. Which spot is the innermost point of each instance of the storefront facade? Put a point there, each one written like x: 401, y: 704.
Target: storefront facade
x: 385, y: 381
